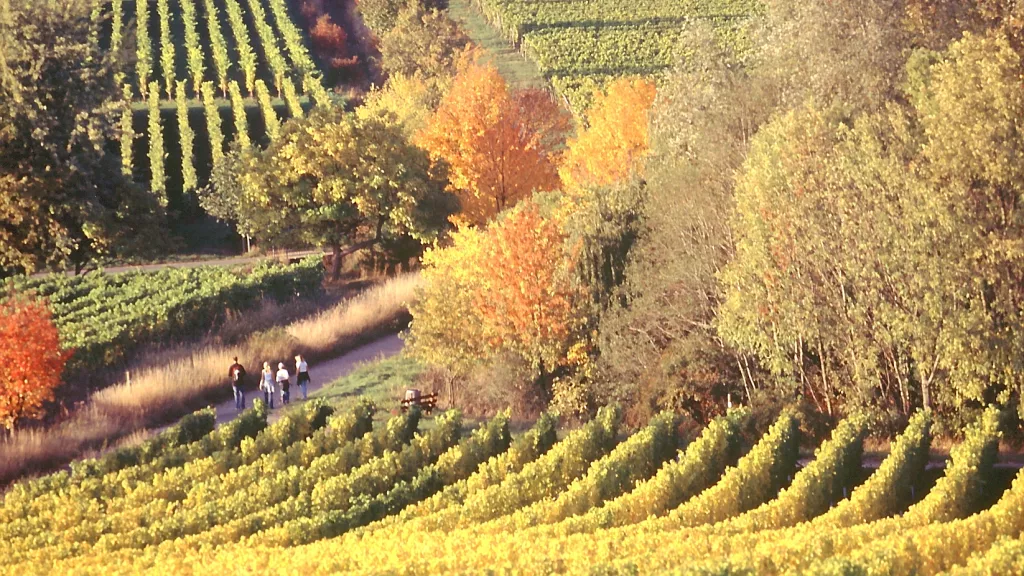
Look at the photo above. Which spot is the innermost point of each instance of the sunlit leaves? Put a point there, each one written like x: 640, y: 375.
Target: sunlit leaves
x: 32, y: 357
x: 499, y: 142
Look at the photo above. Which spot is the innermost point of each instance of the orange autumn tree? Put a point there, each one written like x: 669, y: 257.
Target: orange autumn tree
x: 506, y: 288
x: 498, y: 142
x: 528, y: 305
x: 616, y: 139
x: 31, y: 358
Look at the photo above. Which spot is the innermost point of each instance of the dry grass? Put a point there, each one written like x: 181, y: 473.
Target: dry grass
x: 164, y: 392
x: 344, y: 324
x: 32, y: 451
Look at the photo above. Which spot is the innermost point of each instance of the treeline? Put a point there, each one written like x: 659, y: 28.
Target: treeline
x: 832, y: 218
x: 828, y: 218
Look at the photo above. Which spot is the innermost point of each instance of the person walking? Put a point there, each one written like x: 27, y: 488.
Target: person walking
x: 282, y: 382
x: 302, y: 369
x: 237, y: 376
x: 267, y: 385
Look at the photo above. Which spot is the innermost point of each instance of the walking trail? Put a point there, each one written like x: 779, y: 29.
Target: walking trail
x: 320, y: 374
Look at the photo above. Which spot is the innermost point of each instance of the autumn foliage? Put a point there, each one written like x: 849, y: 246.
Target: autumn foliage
x: 31, y: 359
x: 329, y: 41
x: 499, y: 142
x: 615, y: 140
x: 506, y: 288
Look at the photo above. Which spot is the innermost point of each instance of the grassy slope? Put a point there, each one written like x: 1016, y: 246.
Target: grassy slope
x: 383, y: 381
x: 517, y: 69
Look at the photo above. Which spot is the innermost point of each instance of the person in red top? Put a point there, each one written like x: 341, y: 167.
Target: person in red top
x: 237, y: 376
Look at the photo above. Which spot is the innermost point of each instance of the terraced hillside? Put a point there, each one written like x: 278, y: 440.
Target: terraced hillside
x: 579, y: 44
x: 207, y: 73
x: 325, y: 491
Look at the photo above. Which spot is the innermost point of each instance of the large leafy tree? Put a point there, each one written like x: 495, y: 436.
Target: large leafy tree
x: 506, y: 288
x: 32, y: 358
x: 880, y: 262
x: 658, y: 344
x: 663, y: 348
x: 337, y: 180
x: 423, y: 42
x: 500, y: 143
x: 63, y: 199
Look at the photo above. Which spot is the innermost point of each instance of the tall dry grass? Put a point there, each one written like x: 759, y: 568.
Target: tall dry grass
x: 165, y: 392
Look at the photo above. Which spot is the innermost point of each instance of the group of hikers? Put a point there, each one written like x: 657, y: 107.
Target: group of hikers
x: 270, y: 382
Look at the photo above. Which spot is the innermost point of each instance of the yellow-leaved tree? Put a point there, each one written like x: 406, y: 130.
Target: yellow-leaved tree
x: 615, y: 141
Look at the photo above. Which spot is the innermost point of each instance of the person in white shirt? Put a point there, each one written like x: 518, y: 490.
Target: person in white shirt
x: 302, y: 370
x: 283, y: 382
x: 267, y: 385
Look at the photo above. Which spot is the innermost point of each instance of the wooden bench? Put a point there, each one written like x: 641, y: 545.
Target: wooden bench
x: 426, y: 403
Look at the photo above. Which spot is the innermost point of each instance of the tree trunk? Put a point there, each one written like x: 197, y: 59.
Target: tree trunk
x: 335, y: 262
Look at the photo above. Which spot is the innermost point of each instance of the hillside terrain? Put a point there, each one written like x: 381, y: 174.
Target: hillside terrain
x: 697, y: 287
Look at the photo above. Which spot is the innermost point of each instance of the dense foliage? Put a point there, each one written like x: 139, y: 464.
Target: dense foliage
x: 337, y: 180
x: 32, y: 357
x: 828, y: 217
x: 474, y: 304
x: 63, y: 197
x: 499, y: 142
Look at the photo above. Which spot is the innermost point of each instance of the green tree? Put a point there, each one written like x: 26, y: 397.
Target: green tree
x: 382, y: 15
x: 341, y: 181
x: 222, y: 197
x: 63, y: 198
x: 878, y: 263
x: 661, y: 335
x: 426, y: 43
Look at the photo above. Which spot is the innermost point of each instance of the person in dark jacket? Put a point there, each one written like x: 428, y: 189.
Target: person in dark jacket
x: 237, y: 376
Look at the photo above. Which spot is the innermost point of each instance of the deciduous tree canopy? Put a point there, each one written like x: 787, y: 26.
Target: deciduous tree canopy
x: 615, y: 141
x: 884, y: 257
x: 500, y: 143
x: 63, y: 199
x: 506, y: 288
x: 31, y: 357
x: 339, y: 180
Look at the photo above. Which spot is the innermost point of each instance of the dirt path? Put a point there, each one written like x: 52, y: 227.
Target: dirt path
x: 320, y: 374
x: 517, y: 69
